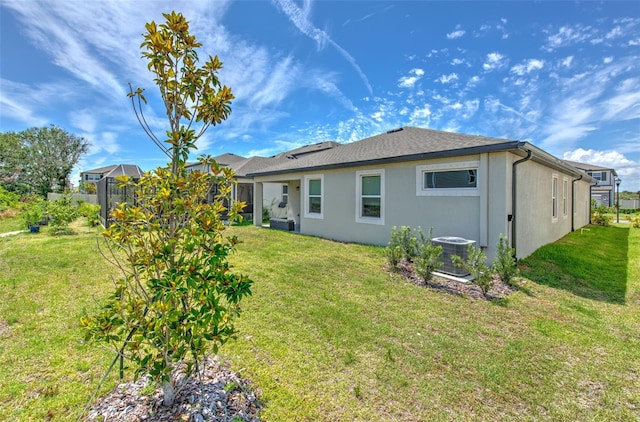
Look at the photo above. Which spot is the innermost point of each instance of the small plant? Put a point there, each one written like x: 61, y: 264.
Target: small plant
x: 504, y: 263
x: 63, y: 212
x: 357, y: 391
x: 230, y: 386
x: 428, y: 257
x: 403, y: 242
x: 8, y: 199
x: 476, y: 265
x: 266, y: 215
x: 601, y: 219
x: 90, y: 212
x: 393, y: 254
x: 32, y: 211
x: 635, y: 221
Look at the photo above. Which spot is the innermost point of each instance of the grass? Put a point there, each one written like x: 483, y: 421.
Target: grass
x: 10, y: 221
x: 329, y: 335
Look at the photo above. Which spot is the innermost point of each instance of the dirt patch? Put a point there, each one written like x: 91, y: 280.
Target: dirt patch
x: 5, y: 329
x: 499, y: 290
x: 217, y: 394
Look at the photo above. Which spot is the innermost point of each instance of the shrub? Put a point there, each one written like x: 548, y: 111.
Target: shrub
x: 90, y: 212
x: 393, y: 254
x: 62, y: 212
x: 504, y: 263
x: 402, y: 245
x: 635, y: 221
x: 8, y: 199
x: 601, y: 219
x: 428, y: 256
x: 476, y: 265
x: 32, y: 210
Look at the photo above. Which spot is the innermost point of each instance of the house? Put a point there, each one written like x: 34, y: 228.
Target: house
x: 603, y: 189
x: 94, y: 175
x: 274, y: 194
x: 473, y: 187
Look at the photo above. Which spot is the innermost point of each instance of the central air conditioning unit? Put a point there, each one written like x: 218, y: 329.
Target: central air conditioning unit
x: 452, y: 246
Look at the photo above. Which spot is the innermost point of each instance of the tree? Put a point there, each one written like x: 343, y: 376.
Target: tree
x: 177, y: 297
x: 49, y: 156
x: 12, y: 156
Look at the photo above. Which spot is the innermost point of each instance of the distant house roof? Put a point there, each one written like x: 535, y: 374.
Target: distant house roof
x: 100, y: 170
x: 308, y: 149
x: 228, y: 159
x: 590, y: 167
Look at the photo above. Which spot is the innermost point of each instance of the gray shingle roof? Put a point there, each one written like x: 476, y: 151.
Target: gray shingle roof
x: 100, y: 170
x: 228, y: 159
x: 407, y: 143
x: 589, y: 167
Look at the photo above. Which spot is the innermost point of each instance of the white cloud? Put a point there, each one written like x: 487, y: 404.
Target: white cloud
x: 567, y: 35
x: 445, y: 79
x: 628, y: 170
x: 410, y: 81
x: 566, y: 62
x: 300, y: 18
x: 614, y: 33
x: 459, y: 33
x: 607, y: 60
x: 527, y: 67
x: 421, y: 113
x: 457, y: 61
x: 494, y: 61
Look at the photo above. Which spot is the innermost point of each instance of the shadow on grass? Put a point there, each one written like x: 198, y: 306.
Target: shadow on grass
x: 590, y: 262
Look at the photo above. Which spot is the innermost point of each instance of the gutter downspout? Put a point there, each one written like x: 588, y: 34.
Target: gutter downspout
x: 513, y: 197
x: 573, y: 201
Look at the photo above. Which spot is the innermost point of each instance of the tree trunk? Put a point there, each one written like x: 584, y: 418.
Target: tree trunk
x: 168, y: 394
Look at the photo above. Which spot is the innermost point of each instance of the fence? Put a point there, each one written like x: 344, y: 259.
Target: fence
x: 77, y: 197
x: 629, y: 204
x: 109, y: 195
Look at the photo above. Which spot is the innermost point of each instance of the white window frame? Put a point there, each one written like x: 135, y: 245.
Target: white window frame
x: 462, y: 165
x: 554, y: 197
x: 307, y: 178
x: 285, y: 193
x: 358, y: 199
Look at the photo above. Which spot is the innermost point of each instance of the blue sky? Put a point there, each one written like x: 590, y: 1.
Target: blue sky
x: 562, y: 75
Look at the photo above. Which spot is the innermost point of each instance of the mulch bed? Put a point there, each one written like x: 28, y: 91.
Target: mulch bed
x: 499, y: 290
x: 222, y: 395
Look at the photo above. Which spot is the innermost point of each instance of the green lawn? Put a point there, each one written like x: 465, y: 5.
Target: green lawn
x: 329, y: 335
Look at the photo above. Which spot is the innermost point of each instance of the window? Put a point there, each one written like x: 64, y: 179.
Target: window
x: 598, y: 175
x: 554, y: 197
x: 314, y: 192
x: 452, y: 179
x: 285, y: 194
x: 565, y: 197
x: 448, y: 179
x: 370, y: 196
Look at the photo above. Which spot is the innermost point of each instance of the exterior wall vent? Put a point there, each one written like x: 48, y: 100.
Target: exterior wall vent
x: 452, y: 246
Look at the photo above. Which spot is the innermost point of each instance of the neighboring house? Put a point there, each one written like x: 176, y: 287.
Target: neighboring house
x: 603, y: 190
x: 466, y: 186
x: 107, y: 190
x: 275, y: 195
x: 94, y: 175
